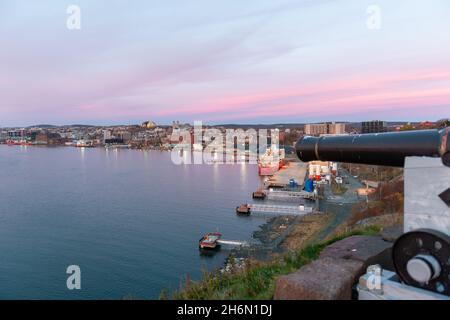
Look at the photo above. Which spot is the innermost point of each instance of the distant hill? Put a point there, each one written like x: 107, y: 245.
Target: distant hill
x: 349, y: 124
x: 43, y: 126
x: 81, y: 125
x: 259, y: 126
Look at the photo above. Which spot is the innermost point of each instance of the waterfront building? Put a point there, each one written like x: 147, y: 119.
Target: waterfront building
x: 16, y: 134
x: 106, y: 135
x: 318, y: 168
x: 317, y: 129
x: 374, y: 126
x: 3, y: 136
x: 337, y: 128
x: 124, y: 135
x: 41, y: 138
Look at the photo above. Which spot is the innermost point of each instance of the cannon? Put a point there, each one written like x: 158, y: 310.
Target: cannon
x: 421, y: 255
x: 388, y: 149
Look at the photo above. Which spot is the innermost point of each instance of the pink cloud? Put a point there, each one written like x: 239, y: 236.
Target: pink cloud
x: 347, y: 94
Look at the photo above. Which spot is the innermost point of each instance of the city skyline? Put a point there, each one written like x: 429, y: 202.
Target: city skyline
x: 222, y: 62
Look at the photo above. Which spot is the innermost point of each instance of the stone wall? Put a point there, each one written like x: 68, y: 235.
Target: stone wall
x: 339, y: 266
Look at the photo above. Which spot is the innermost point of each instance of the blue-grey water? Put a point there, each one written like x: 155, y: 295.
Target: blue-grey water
x: 130, y: 219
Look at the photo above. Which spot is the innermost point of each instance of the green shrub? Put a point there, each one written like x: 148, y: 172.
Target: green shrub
x: 257, y: 281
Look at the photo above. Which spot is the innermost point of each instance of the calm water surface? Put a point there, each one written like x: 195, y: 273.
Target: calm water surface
x: 130, y: 219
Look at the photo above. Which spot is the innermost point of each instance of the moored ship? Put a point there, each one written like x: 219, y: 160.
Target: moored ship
x: 18, y: 142
x: 269, y: 163
x: 84, y: 144
x: 209, y: 241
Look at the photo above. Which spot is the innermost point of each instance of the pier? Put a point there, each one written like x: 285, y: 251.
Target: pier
x: 289, y: 210
x: 292, y: 170
x: 289, y: 195
x: 234, y: 243
x: 213, y: 241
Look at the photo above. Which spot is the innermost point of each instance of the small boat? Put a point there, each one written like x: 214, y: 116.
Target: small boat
x: 117, y: 146
x: 209, y: 241
x: 243, y: 209
x: 84, y: 144
x: 18, y: 143
x: 259, y: 194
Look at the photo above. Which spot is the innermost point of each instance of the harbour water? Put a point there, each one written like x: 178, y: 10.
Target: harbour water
x: 130, y: 219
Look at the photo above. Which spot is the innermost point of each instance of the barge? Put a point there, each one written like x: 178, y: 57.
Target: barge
x: 243, y: 209
x: 210, y: 241
x: 259, y: 194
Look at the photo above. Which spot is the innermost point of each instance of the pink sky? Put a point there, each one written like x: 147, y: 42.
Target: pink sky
x: 258, y: 62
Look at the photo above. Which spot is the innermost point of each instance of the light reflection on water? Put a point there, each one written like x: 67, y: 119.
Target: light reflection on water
x: 130, y: 219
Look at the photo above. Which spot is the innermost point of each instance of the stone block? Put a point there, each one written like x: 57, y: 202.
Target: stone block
x: 367, y: 249
x: 391, y: 233
x: 324, y: 279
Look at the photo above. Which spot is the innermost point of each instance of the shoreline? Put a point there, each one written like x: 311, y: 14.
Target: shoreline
x: 282, y: 234
x: 277, y: 237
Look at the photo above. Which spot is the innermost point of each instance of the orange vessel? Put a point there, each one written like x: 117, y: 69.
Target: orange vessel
x: 209, y: 241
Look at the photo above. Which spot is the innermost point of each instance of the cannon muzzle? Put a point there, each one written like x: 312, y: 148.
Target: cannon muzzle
x: 386, y: 149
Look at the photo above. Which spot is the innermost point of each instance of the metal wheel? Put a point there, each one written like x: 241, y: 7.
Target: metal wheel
x: 422, y: 259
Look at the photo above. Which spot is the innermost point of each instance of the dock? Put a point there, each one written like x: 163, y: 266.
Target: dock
x: 288, y: 210
x: 213, y: 241
x: 234, y: 243
x: 259, y: 194
x: 292, y: 170
x: 284, y: 195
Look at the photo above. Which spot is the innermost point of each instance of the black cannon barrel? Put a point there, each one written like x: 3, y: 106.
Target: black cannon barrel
x: 388, y: 149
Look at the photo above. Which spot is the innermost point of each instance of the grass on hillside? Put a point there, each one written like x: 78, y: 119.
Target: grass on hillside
x: 257, y: 280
